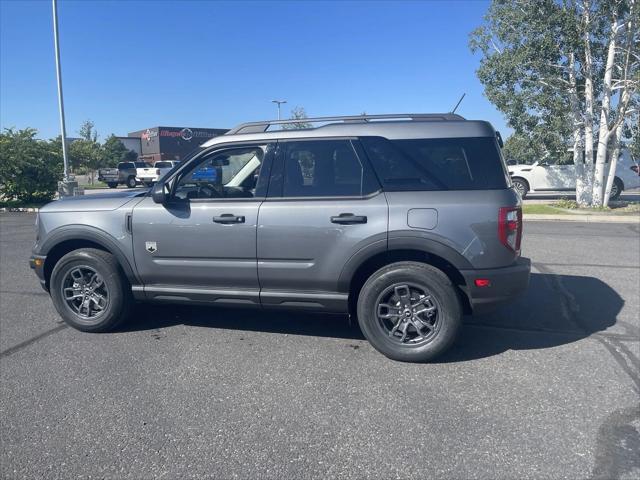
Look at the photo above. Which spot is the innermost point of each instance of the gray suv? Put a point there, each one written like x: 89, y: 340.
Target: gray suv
x: 405, y: 221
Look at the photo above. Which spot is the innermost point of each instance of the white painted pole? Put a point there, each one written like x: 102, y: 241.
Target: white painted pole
x: 60, y: 99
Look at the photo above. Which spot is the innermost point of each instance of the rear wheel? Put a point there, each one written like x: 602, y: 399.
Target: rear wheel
x: 89, y: 291
x: 521, y: 186
x: 131, y: 182
x: 616, y: 189
x: 112, y: 185
x: 409, y: 311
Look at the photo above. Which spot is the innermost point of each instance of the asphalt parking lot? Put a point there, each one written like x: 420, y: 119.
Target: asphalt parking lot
x: 546, y: 387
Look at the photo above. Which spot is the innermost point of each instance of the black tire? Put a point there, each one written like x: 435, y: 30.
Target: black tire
x: 616, y: 189
x: 131, y: 182
x: 112, y: 185
x: 521, y: 186
x: 118, y: 294
x: 446, y: 321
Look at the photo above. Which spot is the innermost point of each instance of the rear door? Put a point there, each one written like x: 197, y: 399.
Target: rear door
x: 323, y: 206
x: 554, y: 175
x: 201, y: 244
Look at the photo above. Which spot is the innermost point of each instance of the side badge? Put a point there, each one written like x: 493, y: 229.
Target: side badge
x: 151, y: 247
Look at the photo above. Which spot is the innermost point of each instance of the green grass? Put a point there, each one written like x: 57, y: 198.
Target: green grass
x: 565, y: 208
x: 542, y: 209
x: 95, y: 186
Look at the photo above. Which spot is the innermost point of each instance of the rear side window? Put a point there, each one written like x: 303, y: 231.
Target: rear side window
x: 436, y: 164
x: 324, y: 168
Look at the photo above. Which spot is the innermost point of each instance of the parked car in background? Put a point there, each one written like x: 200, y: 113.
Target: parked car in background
x: 146, y: 173
x: 405, y: 221
x: 164, y: 166
x: 125, y: 173
x: 560, y: 176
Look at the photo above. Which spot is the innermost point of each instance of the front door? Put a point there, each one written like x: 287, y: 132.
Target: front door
x: 324, y: 205
x: 201, y: 244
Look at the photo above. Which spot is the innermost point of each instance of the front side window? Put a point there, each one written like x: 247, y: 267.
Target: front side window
x: 436, y: 164
x: 324, y: 168
x: 230, y: 173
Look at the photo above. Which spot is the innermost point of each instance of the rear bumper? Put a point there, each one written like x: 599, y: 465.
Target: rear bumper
x: 505, y: 284
x: 36, y: 262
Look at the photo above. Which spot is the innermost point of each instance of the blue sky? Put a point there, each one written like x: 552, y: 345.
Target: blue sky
x: 133, y: 65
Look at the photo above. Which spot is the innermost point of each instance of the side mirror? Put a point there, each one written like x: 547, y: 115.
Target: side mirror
x: 159, y: 192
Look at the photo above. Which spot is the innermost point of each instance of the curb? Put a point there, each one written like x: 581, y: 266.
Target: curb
x: 586, y: 218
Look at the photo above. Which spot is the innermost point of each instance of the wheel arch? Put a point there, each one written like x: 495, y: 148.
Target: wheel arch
x: 64, y: 241
x: 360, y: 267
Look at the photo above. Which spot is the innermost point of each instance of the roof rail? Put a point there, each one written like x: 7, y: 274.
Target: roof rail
x: 259, y: 127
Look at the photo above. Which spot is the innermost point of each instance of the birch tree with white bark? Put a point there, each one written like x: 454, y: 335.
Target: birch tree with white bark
x: 554, y: 67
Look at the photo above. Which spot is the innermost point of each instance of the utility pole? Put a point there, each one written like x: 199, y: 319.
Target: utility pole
x: 60, y: 100
x: 279, y: 102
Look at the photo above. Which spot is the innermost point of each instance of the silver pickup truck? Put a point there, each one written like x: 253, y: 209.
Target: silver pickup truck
x: 124, y: 174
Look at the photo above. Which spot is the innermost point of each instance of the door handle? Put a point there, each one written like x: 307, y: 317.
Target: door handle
x: 348, y: 218
x: 229, y: 218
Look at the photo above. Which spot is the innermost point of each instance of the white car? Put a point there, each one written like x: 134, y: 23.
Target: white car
x: 163, y: 167
x: 146, y: 173
x: 551, y: 176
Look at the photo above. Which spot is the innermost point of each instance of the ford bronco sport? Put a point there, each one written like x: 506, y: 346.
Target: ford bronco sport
x: 405, y: 221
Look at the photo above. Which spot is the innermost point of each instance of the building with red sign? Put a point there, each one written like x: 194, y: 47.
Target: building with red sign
x: 172, y: 143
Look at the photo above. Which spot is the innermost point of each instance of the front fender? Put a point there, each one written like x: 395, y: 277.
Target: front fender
x: 91, y: 234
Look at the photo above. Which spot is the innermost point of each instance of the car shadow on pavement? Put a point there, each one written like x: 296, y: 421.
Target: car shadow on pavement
x: 555, y: 310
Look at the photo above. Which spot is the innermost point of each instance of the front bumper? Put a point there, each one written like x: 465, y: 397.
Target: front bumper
x: 505, y: 284
x: 36, y: 262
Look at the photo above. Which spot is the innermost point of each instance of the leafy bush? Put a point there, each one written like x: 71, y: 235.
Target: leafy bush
x: 566, y: 203
x: 29, y: 168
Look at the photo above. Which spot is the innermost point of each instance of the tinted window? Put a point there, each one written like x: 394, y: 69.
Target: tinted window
x: 163, y: 165
x: 324, y: 168
x: 436, y: 164
x: 126, y: 166
x: 143, y: 165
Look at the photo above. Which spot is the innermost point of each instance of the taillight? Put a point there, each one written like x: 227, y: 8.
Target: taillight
x: 157, y: 171
x: 510, y: 227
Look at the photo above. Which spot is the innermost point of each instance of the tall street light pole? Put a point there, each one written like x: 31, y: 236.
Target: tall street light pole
x: 60, y: 100
x: 279, y: 102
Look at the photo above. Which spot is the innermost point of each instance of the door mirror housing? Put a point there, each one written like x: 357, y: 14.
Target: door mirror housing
x: 159, y: 192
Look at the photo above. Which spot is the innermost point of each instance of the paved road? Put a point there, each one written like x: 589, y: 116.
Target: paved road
x: 545, y: 388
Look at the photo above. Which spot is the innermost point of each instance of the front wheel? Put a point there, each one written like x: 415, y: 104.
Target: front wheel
x: 409, y: 311
x: 89, y: 291
x: 616, y: 189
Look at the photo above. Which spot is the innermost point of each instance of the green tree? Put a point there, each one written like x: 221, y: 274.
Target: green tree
x: 523, y: 149
x: 85, y: 153
x: 114, y: 151
x: 297, y: 113
x: 553, y: 66
x: 29, y: 168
